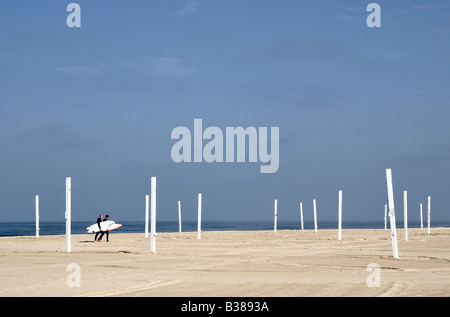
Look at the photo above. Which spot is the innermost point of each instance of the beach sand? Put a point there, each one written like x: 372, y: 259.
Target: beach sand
x: 223, y: 264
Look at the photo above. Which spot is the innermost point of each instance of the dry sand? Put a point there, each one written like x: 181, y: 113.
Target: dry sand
x: 240, y: 263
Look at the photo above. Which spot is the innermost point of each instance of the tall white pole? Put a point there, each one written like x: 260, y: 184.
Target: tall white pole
x: 421, y: 217
x: 275, y: 216
x: 315, y: 216
x: 301, y: 216
x: 390, y: 191
x: 179, y: 216
x: 68, y: 213
x: 385, y: 217
x: 147, y: 201
x: 429, y: 212
x: 199, y: 217
x: 37, y: 215
x: 405, y: 213
x: 153, y: 215
x: 340, y: 216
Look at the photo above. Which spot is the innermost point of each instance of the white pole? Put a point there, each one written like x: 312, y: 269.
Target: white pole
x: 421, y: 217
x: 301, y: 215
x: 37, y: 215
x: 390, y: 191
x: 68, y: 213
x: 179, y: 216
x: 385, y: 217
x: 199, y: 217
x: 340, y: 216
x: 405, y: 213
x: 275, y: 216
x: 147, y: 200
x: 429, y: 211
x: 153, y: 215
x: 315, y: 216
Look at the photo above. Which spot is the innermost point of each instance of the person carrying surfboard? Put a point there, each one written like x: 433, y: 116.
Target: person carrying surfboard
x: 103, y: 232
x: 100, y: 227
x: 99, y: 220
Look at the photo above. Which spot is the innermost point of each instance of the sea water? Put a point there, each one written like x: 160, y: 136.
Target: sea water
x: 79, y: 227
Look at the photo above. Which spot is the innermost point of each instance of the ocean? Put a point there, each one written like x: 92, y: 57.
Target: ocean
x: 79, y: 227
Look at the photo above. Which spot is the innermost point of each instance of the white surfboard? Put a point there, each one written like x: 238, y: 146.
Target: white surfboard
x: 107, y: 225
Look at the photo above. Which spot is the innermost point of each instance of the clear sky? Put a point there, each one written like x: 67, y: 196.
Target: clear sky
x: 99, y: 103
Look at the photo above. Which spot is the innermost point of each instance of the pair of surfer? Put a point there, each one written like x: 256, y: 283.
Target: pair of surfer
x: 101, y: 233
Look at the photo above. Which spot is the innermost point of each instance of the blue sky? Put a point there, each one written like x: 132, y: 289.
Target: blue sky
x: 98, y: 104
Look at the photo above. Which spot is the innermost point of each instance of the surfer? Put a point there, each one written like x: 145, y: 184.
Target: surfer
x: 103, y: 232
x: 99, y: 220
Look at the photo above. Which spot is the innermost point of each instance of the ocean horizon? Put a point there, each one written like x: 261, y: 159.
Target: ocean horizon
x: 79, y: 227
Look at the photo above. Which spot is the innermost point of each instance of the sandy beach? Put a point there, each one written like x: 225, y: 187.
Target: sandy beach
x: 240, y: 263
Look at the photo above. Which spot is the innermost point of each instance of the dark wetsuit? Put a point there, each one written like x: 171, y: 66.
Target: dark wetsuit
x: 99, y: 220
x: 103, y: 233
